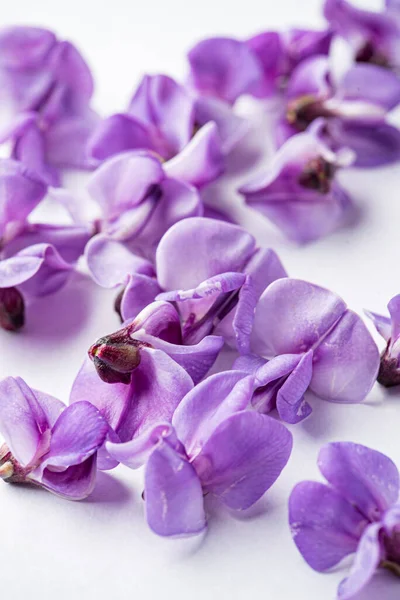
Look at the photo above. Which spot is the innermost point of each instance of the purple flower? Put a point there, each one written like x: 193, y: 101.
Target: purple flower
x: 358, y: 511
x: 46, y: 443
x: 213, y: 447
x: 164, y: 118
x: 389, y: 328
x: 139, y: 201
x: 299, y: 191
x: 38, y: 261
x: 49, y: 87
x: 374, y: 37
x: 354, y: 109
x: 320, y: 344
x: 215, y: 288
x: 226, y: 68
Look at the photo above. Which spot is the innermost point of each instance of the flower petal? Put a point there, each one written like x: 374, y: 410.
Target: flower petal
x: 365, y: 477
x: 243, y: 458
x: 383, y: 324
x: 372, y: 84
x: 173, y: 494
x: 201, y: 161
x: 324, y: 526
x: 290, y: 402
x: 231, y: 127
x: 365, y: 564
x: 310, y: 78
x: 292, y: 315
x: 135, y: 452
x: 346, y: 362
x: 208, y: 405
x: 74, y: 483
x: 141, y: 290
x: 116, y: 134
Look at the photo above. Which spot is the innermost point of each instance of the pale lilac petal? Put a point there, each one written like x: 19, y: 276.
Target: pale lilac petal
x: 346, y: 362
x: 325, y: 527
x: 365, y: 563
x: 292, y: 315
x: 38, y: 270
x: 66, y: 141
x: 161, y: 102
x: 173, y: 494
x: 21, y: 192
x: 116, y: 190
x: 310, y: 78
x: 141, y: 290
x: 290, y: 402
x: 78, y: 433
x: 196, y: 359
x: 24, y: 47
x: 22, y: 419
x: 224, y: 67
x: 136, y: 452
x: 374, y: 143
x: 201, y: 161
x: 160, y: 320
x: 226, y: 282
x: 116, y: 134
x: 231, y: 127
x: 369, y: 83
x: 268, y: 47
x: 365, y: 477
x: 394, y: 310
x: 264, y: 267
x: 243, y: 458
x: 208, y: 405
x: 158, y: 386
x: 110, y: 262
x: 210, y: 247
x: 72, y: 72
x: 74, y: 483
x: 301, y: 44
x: 383, y: 324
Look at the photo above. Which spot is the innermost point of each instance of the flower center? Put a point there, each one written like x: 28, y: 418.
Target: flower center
x: 368, y: 53
x: 392, y: 548
x: 317, y: 175
x: 12, y: 309
x: 304, y: 110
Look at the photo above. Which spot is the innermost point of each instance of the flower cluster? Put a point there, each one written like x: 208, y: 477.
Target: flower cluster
x: 192, y: 284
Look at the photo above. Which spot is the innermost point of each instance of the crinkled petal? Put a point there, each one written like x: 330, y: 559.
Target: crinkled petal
x: 243, y: 458
x: 325, y: 527
x: 290, y: 402
x: 208, y: 405
x: 78, y: 433
x: 134, y: 453
x: 224, y: 67
x: 22, y: 419
x: 201, y: 161
x: 226, y: 282
x: 292, y: 316
x: 346, y: 362
x: 110, y: 263
x: 383, y: 324
x: 210, y: 247
x: 365, y: 477
x: 173, y: 494
x: 365, y: 563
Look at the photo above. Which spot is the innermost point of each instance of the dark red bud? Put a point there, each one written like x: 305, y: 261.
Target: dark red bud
x: 115, y: 356
x: 317, y: 175
x: 12, y: 309
x: 389, y: 371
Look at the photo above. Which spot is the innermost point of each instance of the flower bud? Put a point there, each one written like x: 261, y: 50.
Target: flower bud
x: 317, y: 175
x: 115, y: 356
x: 389, y: 371
x: 12, y: 309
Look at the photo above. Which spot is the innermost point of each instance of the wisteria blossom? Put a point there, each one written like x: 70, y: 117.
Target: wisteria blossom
x: 357, y: 511
x: 299, y: 191
x: 354, y: 109
x: 214, y: 447
x: 48, y: 86
x: 46, y: 443
x: 227, y: 68
x: 215, y: 287
x: 139, y: 201
x: 163, y: 117
x: 389, y: 328
x: 373, y: 36
x: 321, y: 344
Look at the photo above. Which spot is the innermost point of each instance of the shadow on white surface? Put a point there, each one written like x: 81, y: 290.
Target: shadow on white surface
x: 110, y: 490
x: 384, y: 586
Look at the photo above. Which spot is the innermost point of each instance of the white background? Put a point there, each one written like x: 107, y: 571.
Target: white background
x: 102, y: 548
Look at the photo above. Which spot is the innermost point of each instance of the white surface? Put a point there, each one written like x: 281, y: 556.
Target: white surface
x: 102, y: 548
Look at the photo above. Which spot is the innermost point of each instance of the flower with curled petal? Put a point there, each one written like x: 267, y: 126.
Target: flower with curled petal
x: 357, y: 511
x: 299, y: 191
x: 320, y: 343
x: 354, y: 109
x: 213, y: 447
x: 389, y: 328
x: 46, y: 443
